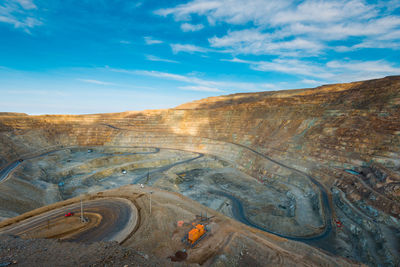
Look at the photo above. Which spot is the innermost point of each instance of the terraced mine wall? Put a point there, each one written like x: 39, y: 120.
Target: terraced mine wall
x: 293, y: 134
x: 343, y: 141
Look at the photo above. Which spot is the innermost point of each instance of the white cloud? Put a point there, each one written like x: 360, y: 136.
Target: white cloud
x: 251, y: 41
x: 312, y: 11
x: 183, y: 11
x: 373, y: 29
x: 191, y: 49
x: 150, y: 41
x: 374, y: 44
x: 296, y: 29
x: 312, y: 82
x: 263, y: 12
x: 176, y: 77
x: 20, y: 14
x: 193, y: 82
x: 188, y: 48
x: 201, y: 88
x: 187, y: 27
x: 333, y: 71
x: 289, y: 66
x: 155, y: 58
x: 393, y: 35
x: 376, y: 67
x: 27, y: 4
x: 96, y: 82
x: 232, y: 11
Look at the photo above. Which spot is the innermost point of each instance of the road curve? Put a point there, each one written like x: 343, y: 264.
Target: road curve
x: 5, y: 172
x: 166, y: 167
x: 237, y: 208
x: 118, y: 219
x: 326, y: 205
x: 8, y: 169
x: 239, y: 215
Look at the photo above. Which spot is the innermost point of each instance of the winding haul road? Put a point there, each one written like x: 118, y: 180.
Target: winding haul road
x: 237, y: 207
x: 10, y: 167
x: 165, y: 168
x: 118, y: 220
x: 326, y: 205
x: 239, y: 215
x: 5, y: 172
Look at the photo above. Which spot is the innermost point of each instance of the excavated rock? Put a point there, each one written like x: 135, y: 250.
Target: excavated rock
x: 306, y: 138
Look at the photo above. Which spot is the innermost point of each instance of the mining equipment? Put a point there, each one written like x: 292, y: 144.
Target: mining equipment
x: 195, y: 235
x: 338, y: 223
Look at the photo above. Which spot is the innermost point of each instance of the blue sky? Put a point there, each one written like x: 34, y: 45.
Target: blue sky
x: 93, y: 56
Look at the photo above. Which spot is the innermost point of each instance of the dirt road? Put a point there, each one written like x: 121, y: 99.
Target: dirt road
x: 118, y: 218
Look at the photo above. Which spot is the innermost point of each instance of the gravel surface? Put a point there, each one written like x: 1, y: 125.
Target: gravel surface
x: 15, y: 251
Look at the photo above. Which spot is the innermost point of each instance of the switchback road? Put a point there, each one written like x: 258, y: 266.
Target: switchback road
x: 118, y: 218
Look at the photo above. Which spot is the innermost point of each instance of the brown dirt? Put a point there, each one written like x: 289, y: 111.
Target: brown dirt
x: 63, y: 228
x: 47, y: 252
x: 157, y: 234
x: 179, y: 256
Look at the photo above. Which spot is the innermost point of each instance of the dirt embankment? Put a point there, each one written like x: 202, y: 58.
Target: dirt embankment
x: 228, y: 242
x: 46, y: 252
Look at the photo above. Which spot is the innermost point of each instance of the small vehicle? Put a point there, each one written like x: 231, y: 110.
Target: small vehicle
x: 69, y: 214
x: 194, y: 236
x: 124, y: 171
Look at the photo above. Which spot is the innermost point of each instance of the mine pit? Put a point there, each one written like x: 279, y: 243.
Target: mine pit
x: 285, y: 177
x: 278, y: 206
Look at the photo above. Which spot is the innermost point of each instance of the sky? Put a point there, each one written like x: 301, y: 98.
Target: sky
x: 97, y: 56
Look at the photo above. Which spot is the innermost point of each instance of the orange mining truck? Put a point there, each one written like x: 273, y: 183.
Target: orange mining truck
x: 195, y: 235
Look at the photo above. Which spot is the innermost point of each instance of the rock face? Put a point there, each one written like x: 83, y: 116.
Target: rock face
x: 342, y: 141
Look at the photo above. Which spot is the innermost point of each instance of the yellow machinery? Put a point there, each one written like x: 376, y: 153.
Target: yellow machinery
x: 195, y: 235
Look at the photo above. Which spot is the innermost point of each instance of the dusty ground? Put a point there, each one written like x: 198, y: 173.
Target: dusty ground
x: 288, y: 206
x: 104, y: 219
x: 293, y: 143
x: 46, y: 252
x: 285, y: 206
x: 228, y: 242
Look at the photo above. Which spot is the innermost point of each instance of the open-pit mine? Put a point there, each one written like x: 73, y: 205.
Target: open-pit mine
x: 285, y: 178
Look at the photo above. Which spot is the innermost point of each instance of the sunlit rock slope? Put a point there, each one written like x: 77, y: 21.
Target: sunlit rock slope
x: 341, y: 139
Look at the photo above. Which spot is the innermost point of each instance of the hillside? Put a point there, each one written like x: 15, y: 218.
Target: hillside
x: 329, y: 154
